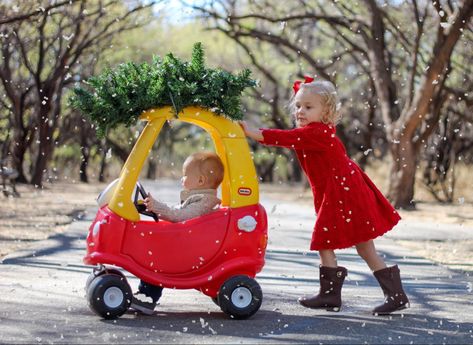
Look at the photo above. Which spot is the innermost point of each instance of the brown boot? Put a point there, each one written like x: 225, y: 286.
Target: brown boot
x: 394, y: 296
x: 330, y: 292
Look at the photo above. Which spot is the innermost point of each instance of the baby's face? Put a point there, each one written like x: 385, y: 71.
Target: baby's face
x: 309, y: 108
x: 191, y: 177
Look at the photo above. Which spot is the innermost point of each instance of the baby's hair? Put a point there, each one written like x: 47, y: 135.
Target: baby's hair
x: 329, y: 96
x: 209, y: 164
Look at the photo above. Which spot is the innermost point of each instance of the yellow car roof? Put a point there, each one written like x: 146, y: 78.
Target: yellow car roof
x: 240, y: 182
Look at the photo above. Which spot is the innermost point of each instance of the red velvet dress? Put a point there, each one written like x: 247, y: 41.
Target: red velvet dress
x: 350, y: 209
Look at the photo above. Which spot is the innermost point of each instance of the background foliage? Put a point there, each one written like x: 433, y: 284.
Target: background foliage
x: 279, y: 42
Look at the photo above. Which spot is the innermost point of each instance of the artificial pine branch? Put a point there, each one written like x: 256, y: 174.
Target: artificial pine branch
x: 119, y: 96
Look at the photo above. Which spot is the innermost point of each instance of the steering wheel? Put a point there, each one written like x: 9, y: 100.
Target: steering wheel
x: 140, y: 206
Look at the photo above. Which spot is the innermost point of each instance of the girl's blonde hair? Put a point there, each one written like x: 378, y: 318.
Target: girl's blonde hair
x: 329, y: 96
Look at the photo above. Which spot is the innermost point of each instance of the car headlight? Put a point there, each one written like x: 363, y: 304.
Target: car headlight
x: 105, y: 195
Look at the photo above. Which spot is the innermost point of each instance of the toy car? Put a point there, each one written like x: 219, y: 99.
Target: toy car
x: 218, y: 253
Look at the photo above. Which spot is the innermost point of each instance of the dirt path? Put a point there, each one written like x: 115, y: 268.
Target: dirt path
x: 39, y: 213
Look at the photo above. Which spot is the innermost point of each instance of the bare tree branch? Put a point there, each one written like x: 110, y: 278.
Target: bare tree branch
x: 36, y: 12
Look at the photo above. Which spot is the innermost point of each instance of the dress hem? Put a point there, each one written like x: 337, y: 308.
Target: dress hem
x: 344, y: 246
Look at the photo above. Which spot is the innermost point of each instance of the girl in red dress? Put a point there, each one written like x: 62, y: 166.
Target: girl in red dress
x: 351, y: 211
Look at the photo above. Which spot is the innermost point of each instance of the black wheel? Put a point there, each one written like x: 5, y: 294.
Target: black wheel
x: 109, y: 295
x: 240, y: 297
x: 95, y: 273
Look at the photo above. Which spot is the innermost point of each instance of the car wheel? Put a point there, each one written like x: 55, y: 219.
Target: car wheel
x: 94, y: 274
x: 109, y: 295
x: 240, y: 297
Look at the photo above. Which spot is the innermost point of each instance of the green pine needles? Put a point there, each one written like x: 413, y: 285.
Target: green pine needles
x: 120, y: 95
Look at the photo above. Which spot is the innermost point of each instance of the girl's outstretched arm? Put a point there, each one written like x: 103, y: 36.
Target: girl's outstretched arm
x: 252, y: 133
x: 312, y: 137
x: 317, y: 137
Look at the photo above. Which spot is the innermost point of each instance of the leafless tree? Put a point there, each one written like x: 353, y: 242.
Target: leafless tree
x: 44, y: 49
x: 404, y: 49
x: 11, y: 15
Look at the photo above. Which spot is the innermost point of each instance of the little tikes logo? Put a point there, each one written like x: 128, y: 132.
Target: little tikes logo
x: 244, y: 191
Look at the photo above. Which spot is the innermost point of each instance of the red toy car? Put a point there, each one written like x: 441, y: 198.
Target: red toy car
x: 218, y: 253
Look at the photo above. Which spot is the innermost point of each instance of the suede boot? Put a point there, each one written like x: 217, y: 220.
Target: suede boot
x: 330, y: 292
x: 395, y: 298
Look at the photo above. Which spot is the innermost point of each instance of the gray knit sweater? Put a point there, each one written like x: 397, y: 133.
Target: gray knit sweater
x: 194, y: 203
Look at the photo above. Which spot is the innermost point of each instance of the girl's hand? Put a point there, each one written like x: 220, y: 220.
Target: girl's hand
x: 244, y: 126
x: 250, y: 132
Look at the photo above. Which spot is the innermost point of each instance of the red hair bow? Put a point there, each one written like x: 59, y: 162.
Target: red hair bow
x: 297, y: 83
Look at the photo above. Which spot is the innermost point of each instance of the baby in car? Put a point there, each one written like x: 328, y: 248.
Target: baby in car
x: 202, y: 173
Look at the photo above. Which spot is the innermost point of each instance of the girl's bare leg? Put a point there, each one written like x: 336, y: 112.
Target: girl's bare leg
x: 368, y: 252
x: 328, y: 258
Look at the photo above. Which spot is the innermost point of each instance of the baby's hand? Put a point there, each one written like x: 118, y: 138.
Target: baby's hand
x: 149, y: 201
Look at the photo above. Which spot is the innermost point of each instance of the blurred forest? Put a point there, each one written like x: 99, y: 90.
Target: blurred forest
x: 402, y: 68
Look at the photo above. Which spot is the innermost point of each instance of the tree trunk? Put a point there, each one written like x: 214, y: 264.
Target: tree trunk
x: 367, y: 139
x: 85, y: 153
x: 407, y: 132
x: 44, y: 153
x: 83, y: 166
x: 21, y: 142
x: 84, y: 163
x: 402, y: 173
x: 265, y: 170
x: 151, y: 172
x: 49, y: 112
x: 103, y: 164
x: 18, y: 154
x: 152, y: 163
x: 45, y: 140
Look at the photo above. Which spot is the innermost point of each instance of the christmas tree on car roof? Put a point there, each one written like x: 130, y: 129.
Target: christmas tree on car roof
x: 119, y: 96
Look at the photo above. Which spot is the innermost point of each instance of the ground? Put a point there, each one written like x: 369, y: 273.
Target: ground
x: 39, y: 213
x: 456, y: 254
